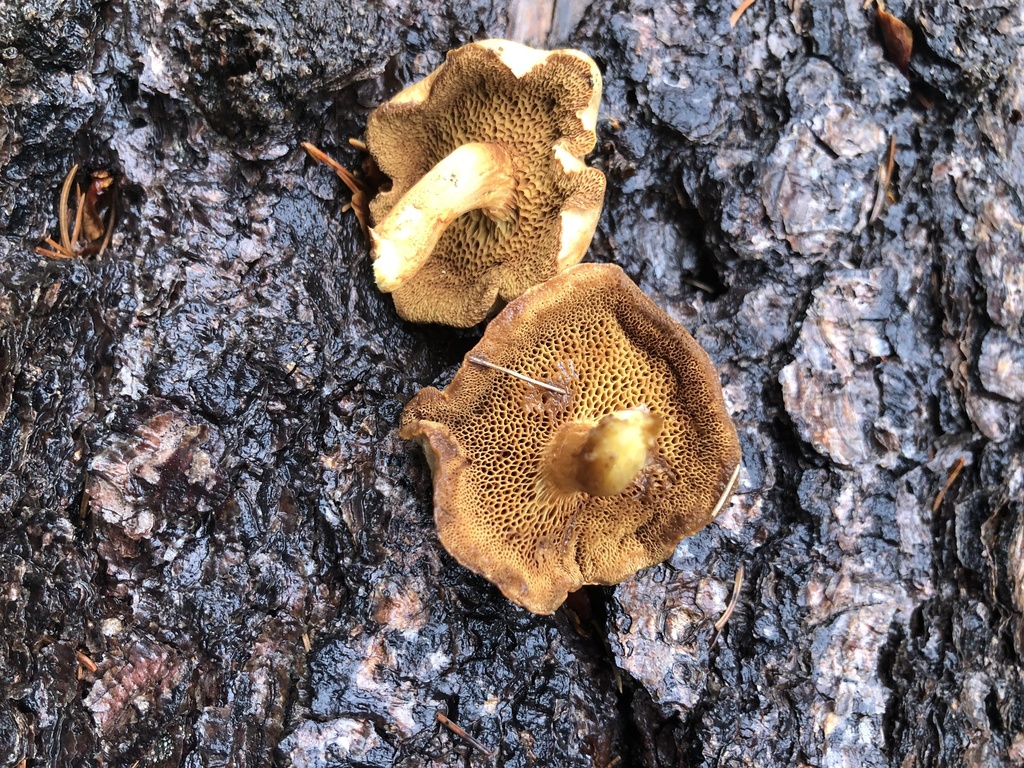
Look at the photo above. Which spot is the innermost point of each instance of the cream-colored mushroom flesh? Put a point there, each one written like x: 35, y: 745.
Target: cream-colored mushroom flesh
x: 591, y: 442
x: 450, y: 244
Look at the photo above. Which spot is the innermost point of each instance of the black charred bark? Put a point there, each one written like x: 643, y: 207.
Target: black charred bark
x: 201, y: 488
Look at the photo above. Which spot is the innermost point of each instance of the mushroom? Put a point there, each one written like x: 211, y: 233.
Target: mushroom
x: 489, y: 194
x: 581, y: 440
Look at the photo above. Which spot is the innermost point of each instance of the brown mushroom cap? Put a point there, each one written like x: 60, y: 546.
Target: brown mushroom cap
x: 538, y: 110
x: 597, y: 345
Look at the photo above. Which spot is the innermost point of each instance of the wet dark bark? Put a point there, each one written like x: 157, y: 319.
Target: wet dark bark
x: 202, y: 491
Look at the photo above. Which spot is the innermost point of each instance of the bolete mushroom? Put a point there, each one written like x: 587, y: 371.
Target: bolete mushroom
x: 582, y: 438
x: 489, y: 194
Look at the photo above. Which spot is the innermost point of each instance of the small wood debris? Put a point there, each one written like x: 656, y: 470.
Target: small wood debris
x: 699, y: 284
x: 86, y: 662
x: 739, y: 12
x: 360, y: 202
x: 953, y: 475
x: 476, y: 360
x: 459, y: 731
x: 83, y: 507
x: 885, y: 170
x: 737, y: 584
x: 94, y: 216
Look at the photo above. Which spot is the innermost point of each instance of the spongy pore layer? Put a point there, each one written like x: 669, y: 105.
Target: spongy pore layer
x: 476, y: 97
x: 591, y: 333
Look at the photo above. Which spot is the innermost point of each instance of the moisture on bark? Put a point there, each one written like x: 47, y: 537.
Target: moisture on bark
x: 215, y: 549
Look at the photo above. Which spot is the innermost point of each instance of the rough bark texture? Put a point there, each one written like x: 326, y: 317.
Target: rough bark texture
x: 202, y: 490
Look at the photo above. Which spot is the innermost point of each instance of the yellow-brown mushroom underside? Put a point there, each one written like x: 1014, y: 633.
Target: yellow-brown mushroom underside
x: 593, y: 333
x: 474, y: 97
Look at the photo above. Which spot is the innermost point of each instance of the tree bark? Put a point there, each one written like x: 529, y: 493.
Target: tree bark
x: 214, y: 549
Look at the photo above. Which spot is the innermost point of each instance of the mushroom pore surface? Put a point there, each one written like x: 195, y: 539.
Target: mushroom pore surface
x: 540, y: 115
x: 592, y: 333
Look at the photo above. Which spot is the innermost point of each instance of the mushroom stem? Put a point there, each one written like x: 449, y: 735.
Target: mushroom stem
x: 474, y: 176
x: 603, y: 459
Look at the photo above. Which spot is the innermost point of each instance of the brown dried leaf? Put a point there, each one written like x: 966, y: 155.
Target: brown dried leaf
x: 897, y: 38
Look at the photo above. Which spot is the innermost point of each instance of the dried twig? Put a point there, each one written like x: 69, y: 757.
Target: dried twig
x: 62, y: 250
x: 90, y: 225
x: 699, y: 284
x: 953, y: 475
x: 739, y: 12
x: 542, y: 384
x: 737, y: 584
x: 86, y: 662
x: 83, y: 507
x: 885, y: 170
x: 459, y: 731
x: 360, y: 197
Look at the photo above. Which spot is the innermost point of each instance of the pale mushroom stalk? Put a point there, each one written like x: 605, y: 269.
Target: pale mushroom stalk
x: 475, y: 176
x: 603, y: 459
